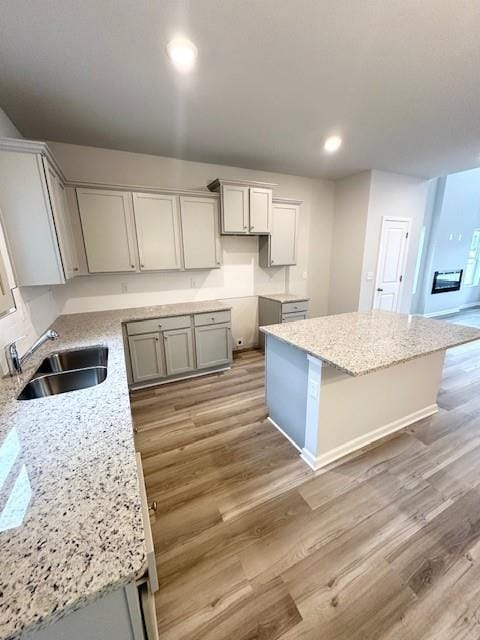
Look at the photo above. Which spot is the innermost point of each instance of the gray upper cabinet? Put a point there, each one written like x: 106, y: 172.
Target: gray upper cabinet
x: 35, y: 219
x: 107, y: 225
x: 158, y: 231
x: 63, y: 221
x: 246, y: 207
x: 213, y: 345
x: 260, y: 210
x: 200, y: 232
x: 279, y: 248
x: 235, y: 209
x: 179, y: 356
x: 147, y: 357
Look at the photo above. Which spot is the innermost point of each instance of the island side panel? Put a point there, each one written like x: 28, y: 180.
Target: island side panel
x: 286, y: 380
x: 354, y: 411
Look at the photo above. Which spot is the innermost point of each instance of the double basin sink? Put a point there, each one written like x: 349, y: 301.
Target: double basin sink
x: 66, y: 371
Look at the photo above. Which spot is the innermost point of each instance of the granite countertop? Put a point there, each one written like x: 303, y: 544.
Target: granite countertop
x: 360, y: 343
x: 70, y: 515
x: 284, y: 297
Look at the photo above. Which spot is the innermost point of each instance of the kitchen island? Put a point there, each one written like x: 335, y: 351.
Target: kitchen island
x: 337, y: 383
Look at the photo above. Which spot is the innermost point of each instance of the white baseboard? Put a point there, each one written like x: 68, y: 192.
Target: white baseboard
x: 317, y: 462
x: 284, y: 434
x: 445, y: 312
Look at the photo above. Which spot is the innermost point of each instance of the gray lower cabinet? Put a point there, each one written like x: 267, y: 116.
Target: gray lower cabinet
x: 213, y: 345
x: 280, y: 309
x: 179, y: 355
x: 164, y: 349
x: 146, y: 355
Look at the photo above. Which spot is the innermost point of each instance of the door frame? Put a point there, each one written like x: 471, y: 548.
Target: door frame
x: 405, y: 255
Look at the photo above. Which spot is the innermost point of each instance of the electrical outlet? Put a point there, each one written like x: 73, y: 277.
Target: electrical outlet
x: 124, y: 287
x: 239, y: 342
x: 193, y: 283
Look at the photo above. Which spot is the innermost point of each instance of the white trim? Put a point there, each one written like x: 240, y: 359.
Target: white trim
x: 470, y: 305
x: 445, y: 312
x: 405, y: 256
x: 284, y: 434
x: 357, y: 443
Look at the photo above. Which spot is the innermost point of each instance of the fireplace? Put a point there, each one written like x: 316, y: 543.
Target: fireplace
x: 444, y: 281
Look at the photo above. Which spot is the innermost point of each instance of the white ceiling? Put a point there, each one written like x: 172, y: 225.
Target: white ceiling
x: 399, y: 79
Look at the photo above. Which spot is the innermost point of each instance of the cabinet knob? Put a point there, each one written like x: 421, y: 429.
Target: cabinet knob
x: 133, y: 266
x: 75, y: 268
x: 379, y: 289
x: 153, y: 506
x: 272, y: 261
x: 252, y: 228
x: 159, y: 326
x: 142, y: 266
x: 157, y: 339
x: 245, y: 227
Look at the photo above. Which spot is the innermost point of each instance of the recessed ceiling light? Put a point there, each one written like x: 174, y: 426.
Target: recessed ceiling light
x: 332, y: 144
x: 182, y: 53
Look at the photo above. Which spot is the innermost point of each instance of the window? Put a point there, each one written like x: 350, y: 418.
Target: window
x: 472, y: 270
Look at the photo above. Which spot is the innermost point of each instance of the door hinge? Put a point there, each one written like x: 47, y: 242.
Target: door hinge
x: 401, y: 278
x: 406, y: 235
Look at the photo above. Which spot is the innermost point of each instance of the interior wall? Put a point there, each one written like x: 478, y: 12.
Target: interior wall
x: 351, y: 212
x: 456, y: 215
x: 395, y: 195
x: 36, y: 307
x: 240, y: 280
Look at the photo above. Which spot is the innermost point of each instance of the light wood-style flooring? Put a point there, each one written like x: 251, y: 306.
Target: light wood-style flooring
x: 251, y: 544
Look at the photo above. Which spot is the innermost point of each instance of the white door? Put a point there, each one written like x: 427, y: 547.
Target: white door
x: 158, y: 231
x: 391, y: 263
x: 107, y: 226
x: 260, y: 210
x: 234, y: 209
x: 201, y: 244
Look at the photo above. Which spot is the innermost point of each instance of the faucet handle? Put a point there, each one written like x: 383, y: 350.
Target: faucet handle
x: 52, y: 334
x: 12, y: 357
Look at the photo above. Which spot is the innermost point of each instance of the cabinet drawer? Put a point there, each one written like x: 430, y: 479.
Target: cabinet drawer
x: 216, y: 317
x: 295, y: 307
x: 291, y: 317
x: 158, y: 324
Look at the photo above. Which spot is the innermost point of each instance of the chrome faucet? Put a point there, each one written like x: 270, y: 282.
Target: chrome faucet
x: 15, y: 361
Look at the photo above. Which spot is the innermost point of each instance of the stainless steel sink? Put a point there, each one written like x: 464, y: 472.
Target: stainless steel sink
x: 55, y: 383
x: 66, y: 371
x: 73, y: 359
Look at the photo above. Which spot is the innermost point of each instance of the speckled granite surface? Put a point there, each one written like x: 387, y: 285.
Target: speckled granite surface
x: 285, y: 297
x: 75, y: 530
x: 360, y: 343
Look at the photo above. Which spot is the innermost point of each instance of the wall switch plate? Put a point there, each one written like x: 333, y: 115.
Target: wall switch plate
x: 369, y: 275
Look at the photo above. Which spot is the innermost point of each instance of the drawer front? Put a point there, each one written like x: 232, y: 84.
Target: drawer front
x: 291, y: 317
x: 216, y: 317
x: 158, y: 324
x: 295, y: 307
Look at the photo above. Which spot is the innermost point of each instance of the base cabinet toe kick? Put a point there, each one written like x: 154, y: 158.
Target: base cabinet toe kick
x: 163, y: 350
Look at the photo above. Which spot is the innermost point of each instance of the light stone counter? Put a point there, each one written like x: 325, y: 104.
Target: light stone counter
x: 360, y: 343
x: 67, y: 465
x: 284, y: 297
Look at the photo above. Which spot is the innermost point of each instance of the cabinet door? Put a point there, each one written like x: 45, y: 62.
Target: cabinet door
x: 146, y: 355
x: 234, y: 209
x: 63, y: 222
x: 158, y: 231
x: 201, y: 244
x: 107, y: 226
x: 260, y: 210
x: 213, y: 345
x: 284, y: 234
x: 178, y: 351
